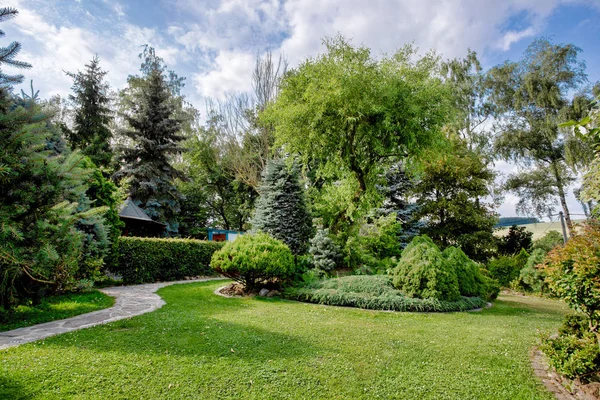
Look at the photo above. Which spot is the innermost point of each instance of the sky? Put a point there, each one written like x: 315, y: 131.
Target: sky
x: 214, y: 43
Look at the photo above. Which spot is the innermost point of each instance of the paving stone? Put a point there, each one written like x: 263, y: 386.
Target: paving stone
x: 129, y: 302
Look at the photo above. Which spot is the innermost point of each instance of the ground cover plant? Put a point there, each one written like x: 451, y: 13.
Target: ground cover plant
x: 200, y: 345
x: 55, y: 308
x: 374, y: 292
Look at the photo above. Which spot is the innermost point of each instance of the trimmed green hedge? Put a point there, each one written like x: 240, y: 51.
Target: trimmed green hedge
x: 144, y: 260
x: 374, y: 292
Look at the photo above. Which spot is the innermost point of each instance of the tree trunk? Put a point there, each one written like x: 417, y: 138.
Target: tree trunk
x: 563, y: 198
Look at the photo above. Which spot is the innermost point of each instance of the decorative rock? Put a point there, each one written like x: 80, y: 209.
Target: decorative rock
x: 273, y: 293
x: 263, y: 292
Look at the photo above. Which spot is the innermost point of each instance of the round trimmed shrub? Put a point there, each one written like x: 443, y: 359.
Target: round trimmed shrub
x: 253, y: 259
x: 424, y: 273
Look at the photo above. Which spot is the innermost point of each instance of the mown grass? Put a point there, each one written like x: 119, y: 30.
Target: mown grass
x: 204, y: 346
x: 55, y: 308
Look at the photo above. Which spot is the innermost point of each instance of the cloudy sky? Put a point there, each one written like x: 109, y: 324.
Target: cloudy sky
x: 214, y: 42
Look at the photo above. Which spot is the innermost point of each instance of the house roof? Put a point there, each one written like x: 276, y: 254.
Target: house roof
x: 130, y: 210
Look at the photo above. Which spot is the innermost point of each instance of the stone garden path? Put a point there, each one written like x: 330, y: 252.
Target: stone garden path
x: 130, y: 301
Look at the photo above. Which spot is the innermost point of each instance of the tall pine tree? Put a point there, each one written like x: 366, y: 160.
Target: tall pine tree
x: 91, y: 132
x: 154, y: 135
x: 281, y: 208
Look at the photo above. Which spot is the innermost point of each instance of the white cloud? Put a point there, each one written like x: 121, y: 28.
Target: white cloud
x: 231, y: 73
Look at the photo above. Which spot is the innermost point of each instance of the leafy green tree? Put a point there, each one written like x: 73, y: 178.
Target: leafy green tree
x: 155, y: 137
x: 8, y: 54
x: 472, y: 108
x: 91, y: 132
x: 533, y: 97
x: 449, y: 193
x: 217, y: 195
x: 349, y: 115
x: 281, y: 209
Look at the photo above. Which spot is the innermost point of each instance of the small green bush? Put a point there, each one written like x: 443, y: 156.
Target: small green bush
x: 254, y: 259
x: 153, y: 259
x: 531, y: 277
x: 504, y: 269
x: 548, y: 242
x: 575, y: 352
x: 374, y: 292
x: 423, y: 272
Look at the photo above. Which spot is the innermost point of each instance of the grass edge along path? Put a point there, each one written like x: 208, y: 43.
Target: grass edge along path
x: 55, y: 308
x: 200, y: 345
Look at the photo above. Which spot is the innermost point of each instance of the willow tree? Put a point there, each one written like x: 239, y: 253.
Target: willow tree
x: 533, y: 97
x: 348, y: 114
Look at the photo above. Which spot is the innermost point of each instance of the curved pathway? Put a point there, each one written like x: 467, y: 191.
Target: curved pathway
x: 130, y: 301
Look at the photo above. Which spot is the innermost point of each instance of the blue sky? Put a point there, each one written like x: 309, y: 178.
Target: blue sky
x: 214, y: 43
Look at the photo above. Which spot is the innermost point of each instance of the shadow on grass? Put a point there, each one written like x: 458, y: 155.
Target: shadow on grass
x: 12, y: 390
x: 194, y: 323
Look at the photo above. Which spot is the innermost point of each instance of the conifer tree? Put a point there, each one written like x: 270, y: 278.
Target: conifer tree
x: 91, y: 132
x: 396, y: 192
x: 281, y: 208
x: 155, y: 138
x: 325, y: 253
x: 8, y: 54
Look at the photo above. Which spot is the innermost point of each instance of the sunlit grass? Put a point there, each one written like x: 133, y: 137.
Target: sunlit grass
x: 203, y: 346
x: 57, y: 307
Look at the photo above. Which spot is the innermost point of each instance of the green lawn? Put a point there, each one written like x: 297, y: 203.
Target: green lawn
x: 201, y: 346
x: 57, y: 307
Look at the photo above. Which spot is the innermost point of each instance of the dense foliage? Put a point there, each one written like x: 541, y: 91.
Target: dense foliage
x: 572, y: 273
x: 47, y: 222
x: 156, y: 259
x: 574, y: 353
x: 255, y: 259
x: 281, y: 208
x: 450, y: 194
x: 374, y: 292
x: 471, y: 282
x: 423, y: 272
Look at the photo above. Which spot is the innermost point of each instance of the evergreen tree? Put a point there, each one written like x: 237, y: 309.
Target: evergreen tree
x: 91, y: 132
x: 281, y: 207
x: 449, y: 192
x: 8, y: 54
x: 399, y: 185
x: 42, y: 202
x: 154, y: 135
x: 325, y: 253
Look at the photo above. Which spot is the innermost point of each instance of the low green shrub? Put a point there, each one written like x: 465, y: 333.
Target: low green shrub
x: 575, y: 352
x: 374, y: 292
x: 504, y: 269
x: 153, y: 259
x: 254, y: 259
x: 423, y: 272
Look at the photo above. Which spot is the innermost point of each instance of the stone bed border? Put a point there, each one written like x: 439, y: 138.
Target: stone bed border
x: 130, y: 301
